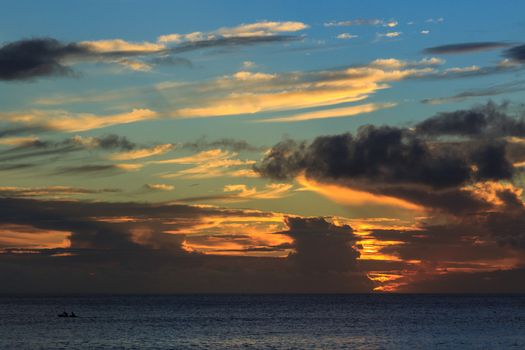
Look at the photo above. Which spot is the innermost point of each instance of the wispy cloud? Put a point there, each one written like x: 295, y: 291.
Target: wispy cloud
x: 249, y: 92
x: 346, y: 36
x: 342, y: 112
x: 50, y: 191
x: 257, y: 29
x: 209, y: 164
x: 60, y: 120
x: 481, y: 92
x: 159, y: 187
x: 461, y: 48
x: 362, y: 22
x: 142, y: 153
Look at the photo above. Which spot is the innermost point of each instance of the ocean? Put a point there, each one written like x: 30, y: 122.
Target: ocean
x: 376, y: 321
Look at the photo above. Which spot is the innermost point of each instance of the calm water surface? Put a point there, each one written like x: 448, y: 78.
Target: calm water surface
x: 264, y: 322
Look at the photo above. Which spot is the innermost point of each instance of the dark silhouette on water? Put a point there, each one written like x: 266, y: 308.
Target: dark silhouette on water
x: 65, y: 314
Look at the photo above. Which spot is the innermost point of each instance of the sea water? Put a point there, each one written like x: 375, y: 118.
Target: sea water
x: 374, y: 321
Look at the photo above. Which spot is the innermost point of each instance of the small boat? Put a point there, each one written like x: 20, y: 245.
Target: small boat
x: 65, y: 314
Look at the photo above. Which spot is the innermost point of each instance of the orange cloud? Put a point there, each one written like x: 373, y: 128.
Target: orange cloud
x: 29, y: 237
x: 143, y: 153
x: 348, y: 196
x: 332, y: 113
x: 74, y: 122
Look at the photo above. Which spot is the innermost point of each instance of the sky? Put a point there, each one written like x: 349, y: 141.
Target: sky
x: 262, y: 147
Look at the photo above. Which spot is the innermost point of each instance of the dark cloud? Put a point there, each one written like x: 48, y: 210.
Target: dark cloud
x: 379, y: 155
x: 30, y: 58
x: 230, y: 42
x: 136, y: 255
x: 227, y: 143
x: 16, y: 166
x: 489, y: 120
x: 471, y: 72
x: 516, y: 53
x: 171, y: 61
x: 88, y: 169
x: 50, y: 191
x: 320, y: 245
x: 112, y: 141
x: 500, y: 282
x: 490, y: 91
x: 22, y: 130
x: 466, y: 47
x: 43, y: 148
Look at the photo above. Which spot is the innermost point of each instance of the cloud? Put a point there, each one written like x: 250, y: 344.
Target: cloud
x: 96, y: 169
x: 249, y: 93
x: 489, y: 120
x: 76, y: 243
x: 504, y: 66
x: 376, y: 155
x: 332, y: 113
x: 119, y: 45
x: 346, y: 36
x: 249, y: 64
x: 142, y: 153
x: 18, y: 166
x: 209, y: 164
x: 135, y: 65
x: 50, y: 191
x: 31, y: 58
x: 389, y: 34
x: 224, y: 143
x: 159, y: 187
x: 18, y: 140
x: 253, y: 30
x: 28, y: 59
x: 348, y: 196
x: 414, y: 168
x: 40, y: 148
x: 435, y: 20
x: 320, y: 245
x: 516, y: 53
x: 272, y: 191
x: 482, y: 241
x: 230, y: 42
x: 480, y: 92
x: 75, y: 122
x: 362, y: 22
x: 171, y: 61
x: 241, y: 192
x: 262, y: 28
x: 461, y: 48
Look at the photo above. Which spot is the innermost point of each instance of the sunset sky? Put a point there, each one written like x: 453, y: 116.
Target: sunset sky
x: 265, y: 146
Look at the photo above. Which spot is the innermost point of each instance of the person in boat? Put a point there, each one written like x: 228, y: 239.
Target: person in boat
x: 72, y: 315
x: 63, y: 314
